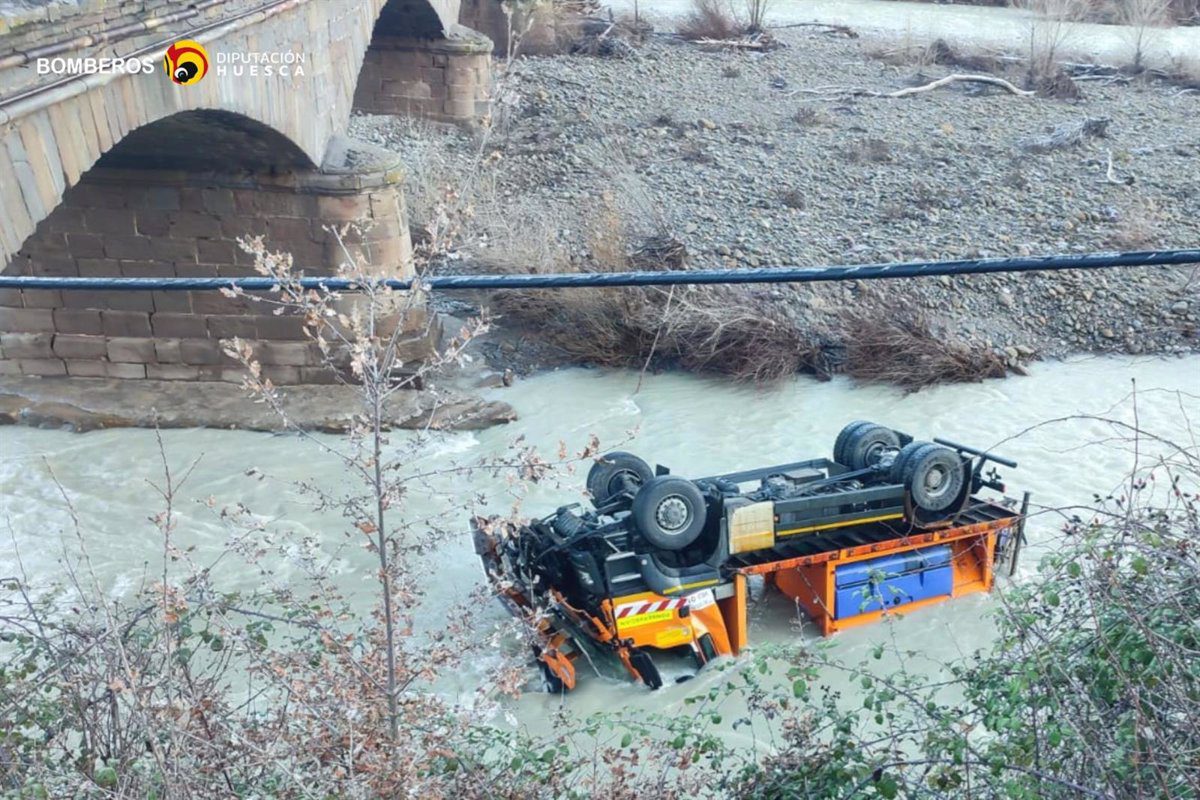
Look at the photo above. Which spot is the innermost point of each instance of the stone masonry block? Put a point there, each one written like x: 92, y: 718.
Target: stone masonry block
x: 77, y: 320
x: 200, y: 351
x: 129, y: 350
x: 167, y: 351
x: 42, y: 298
x: 73, y: 345
x: 284, y: 326
x: 282, y: 376
x: 114, y: 301
x: 172, y: 372
x: 27, y: 320
x: 85, y: 245
x: 125, y: 371
x: 179, y: 326
x: 216, y: 251
x: 126, y: 323
x: 227, y: 326
x: 128, y: 247
x: 287, y: 354
x: 99, y: 268
x: 45, y: 367
x: 172, y: 302
x: 194, y: 224
x: 88, y: 368
x: 109, y: 221
x: 26, y: 345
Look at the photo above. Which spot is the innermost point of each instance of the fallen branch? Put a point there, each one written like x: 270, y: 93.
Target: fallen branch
x: 928, y: 87
x: 844, y: 30
x: 1110, y: 175
x: 957, y: 78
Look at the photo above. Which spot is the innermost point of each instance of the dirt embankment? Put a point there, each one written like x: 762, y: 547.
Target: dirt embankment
x: 752, y: 159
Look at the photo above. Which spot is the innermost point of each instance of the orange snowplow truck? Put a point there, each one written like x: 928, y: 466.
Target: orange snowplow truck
x: 661, y: 562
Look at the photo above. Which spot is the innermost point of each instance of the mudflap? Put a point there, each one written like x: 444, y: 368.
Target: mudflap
x: 558, y: 672
x: 640, y: 663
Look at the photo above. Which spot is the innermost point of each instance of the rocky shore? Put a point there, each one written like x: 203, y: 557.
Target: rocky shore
x: 753, y: 159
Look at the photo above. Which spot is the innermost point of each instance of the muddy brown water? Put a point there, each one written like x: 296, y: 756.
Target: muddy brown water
x: 694, y: 425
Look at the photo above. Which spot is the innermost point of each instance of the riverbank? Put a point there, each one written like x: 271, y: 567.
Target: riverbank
x: 749, y: 159
x: 87, y: 404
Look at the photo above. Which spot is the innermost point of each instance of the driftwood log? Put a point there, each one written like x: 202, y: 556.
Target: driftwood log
x: 991, y: 80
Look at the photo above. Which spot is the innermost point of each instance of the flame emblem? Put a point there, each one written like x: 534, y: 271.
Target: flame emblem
x: 186, y: 62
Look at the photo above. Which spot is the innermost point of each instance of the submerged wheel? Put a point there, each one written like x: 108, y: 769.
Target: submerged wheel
x: 839, y: 444
x: 551, y: 682
x: 669, y: 512
x: 934, y: 476
x: 866, y: 444
x: 614, y: 471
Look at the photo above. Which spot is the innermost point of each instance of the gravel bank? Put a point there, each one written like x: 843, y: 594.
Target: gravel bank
x: 726, y: 152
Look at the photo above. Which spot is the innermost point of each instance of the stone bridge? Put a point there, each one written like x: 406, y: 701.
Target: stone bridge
x: 110, y: 168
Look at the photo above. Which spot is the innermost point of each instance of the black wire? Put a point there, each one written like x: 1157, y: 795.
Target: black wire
x: 788, y: 274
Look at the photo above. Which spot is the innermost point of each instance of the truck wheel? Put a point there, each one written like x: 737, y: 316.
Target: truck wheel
x: 551, y: 682
x: 839, y: 444
x: 866, y: 444
x: 610, y: 475
x: 669, y: 512
x: 897, y: 473
x: 934, y: 476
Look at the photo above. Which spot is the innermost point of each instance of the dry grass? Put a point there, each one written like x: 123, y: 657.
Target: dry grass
x: 902, y: 349
x: 709, y: 19
x: 867, y: 151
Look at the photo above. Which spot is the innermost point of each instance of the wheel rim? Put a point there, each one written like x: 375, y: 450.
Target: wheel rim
x: 672, y: 514
x: 936, y: 481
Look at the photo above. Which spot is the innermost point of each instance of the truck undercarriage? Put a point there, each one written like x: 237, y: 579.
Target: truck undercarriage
x: 661, y: 562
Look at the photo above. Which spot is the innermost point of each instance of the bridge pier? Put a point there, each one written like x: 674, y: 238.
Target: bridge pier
x: 160, y: 223
x: 447, y: 79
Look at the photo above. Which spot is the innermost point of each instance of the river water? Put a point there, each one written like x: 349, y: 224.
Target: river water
x: 694, y: 425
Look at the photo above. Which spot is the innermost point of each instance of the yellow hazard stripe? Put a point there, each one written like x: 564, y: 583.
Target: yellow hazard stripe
x: 695, y: 585
x: 845, y: 524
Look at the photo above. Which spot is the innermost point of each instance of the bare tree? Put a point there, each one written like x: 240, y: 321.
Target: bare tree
x: 1142, y: 18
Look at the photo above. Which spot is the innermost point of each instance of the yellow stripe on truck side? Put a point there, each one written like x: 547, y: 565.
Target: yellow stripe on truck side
x: 638, y: 620
x: 840, y: 524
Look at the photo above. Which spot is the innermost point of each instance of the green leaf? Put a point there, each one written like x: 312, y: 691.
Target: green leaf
x: 799, y: 688
x: 886, y: 786
x: 106, y: 777
x: 626, y: 740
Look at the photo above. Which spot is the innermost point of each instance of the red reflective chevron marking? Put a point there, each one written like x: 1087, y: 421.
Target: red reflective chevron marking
x: 634, y: 609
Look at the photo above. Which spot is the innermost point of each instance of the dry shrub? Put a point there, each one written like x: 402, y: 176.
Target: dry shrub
x: 867, y: 151
x: 905, y: 351
x: 1049, y: 33
x: 726, y: 330
x: 709, y: 19
x: 809, y: 117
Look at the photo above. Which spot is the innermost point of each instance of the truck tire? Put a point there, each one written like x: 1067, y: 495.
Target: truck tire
x: 934, y: 476
x: 669, y: 512
x: 609, y: 475
x: 897, y: 473
x: 839, y: 444
x: 864, y: 446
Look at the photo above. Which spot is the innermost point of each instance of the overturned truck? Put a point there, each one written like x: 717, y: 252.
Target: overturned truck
x: 661, y: 562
